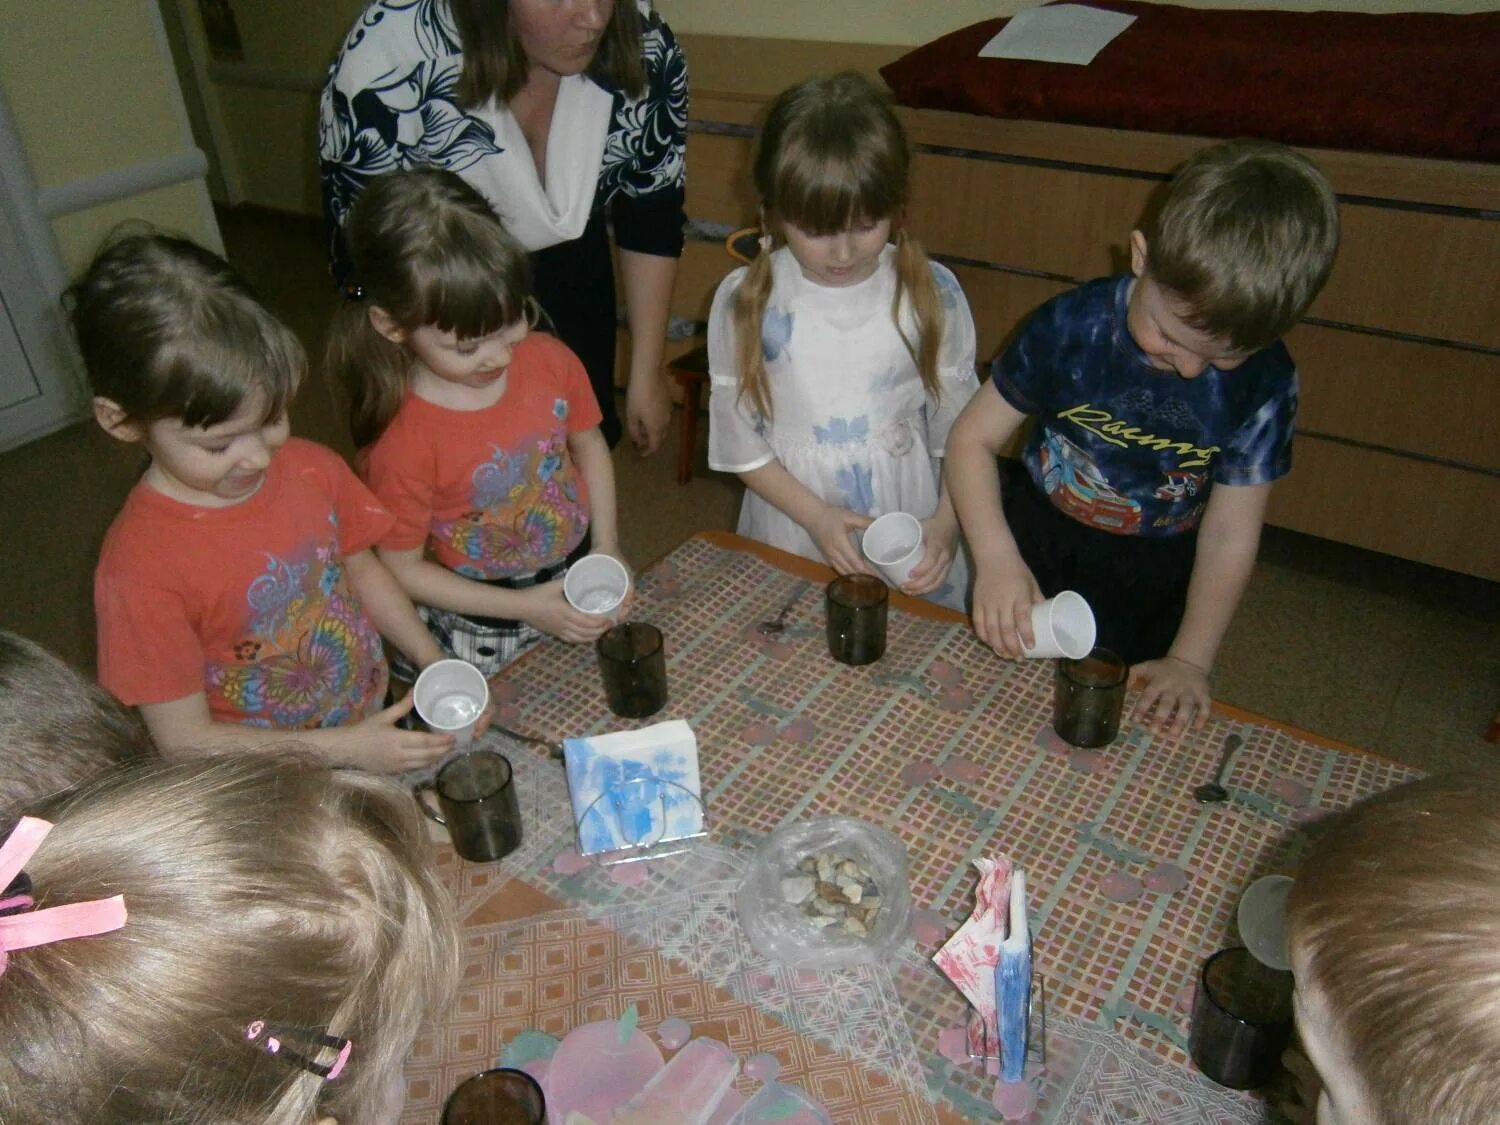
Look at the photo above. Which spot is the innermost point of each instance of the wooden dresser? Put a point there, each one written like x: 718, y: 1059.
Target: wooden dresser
x: 1398, y: 445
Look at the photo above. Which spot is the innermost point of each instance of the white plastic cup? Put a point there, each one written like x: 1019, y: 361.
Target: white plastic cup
x: 596, y: 584
x: 450, y: 696
x: 1062, y: 626
x: 1261, y: 918
x: 894, y: 544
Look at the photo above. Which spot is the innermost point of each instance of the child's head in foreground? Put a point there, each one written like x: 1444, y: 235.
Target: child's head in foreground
x: 183, y: 359
x: 1395, y: 941
x: 257, y: 888
x: 1243, y: 241
x: 832, y: 170
x: 438, y: 287
x: 58, y: 728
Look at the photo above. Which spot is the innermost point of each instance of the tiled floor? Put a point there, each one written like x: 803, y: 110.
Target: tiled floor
x: 1375, y: 651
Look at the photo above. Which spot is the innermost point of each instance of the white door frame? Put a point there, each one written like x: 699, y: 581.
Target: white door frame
x: 32, y: 273
x: 32, y: 279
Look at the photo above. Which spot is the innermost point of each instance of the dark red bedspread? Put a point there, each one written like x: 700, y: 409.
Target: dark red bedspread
x: 1416, y: 84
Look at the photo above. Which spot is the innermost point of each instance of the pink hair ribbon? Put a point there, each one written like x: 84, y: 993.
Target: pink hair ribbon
x: 56, y: 923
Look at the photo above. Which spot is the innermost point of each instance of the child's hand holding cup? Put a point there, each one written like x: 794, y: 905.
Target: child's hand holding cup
x: 893, y: 543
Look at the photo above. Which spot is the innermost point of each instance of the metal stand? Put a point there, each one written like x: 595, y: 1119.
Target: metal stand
x: 629, y: 799
x: 986, y: 1038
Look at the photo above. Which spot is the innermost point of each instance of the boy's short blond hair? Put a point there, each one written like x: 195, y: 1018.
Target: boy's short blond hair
x: 1395, y: 922
x: 1246, y: 236
x: 58, y: 729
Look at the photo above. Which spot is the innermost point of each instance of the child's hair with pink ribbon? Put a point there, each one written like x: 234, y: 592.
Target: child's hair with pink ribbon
x: 264, y: 891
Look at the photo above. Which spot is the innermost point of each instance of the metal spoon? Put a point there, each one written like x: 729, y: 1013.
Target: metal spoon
x: 777, y: 624
x: 553, y: 748
x: 1213, y: 792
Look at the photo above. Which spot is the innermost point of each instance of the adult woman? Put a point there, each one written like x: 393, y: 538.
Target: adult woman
x: 560, y: 112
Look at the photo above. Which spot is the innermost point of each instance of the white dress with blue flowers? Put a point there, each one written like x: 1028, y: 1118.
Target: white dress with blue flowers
x: 852, y: 420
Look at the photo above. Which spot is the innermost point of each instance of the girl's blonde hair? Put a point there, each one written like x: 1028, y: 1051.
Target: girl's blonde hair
x: 169, y: 330
x: 831, y: 155
x: 425, y: 247
x: 258, y: 887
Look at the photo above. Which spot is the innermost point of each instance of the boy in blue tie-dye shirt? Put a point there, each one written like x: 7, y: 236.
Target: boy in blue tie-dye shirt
x: 1149, y: 390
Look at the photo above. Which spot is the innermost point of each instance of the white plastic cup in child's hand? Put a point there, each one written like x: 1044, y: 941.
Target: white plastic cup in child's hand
x: 597, y: 584
x: 450, y: 695
x: 1062, y: 626
x: 894, y: 544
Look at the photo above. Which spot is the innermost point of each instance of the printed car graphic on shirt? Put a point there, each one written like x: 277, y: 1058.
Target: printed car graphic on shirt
x: 1074, y: 483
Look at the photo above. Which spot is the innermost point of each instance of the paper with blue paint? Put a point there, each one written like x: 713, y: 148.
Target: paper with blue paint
x: 1013, y: 984
x: 634, y: 788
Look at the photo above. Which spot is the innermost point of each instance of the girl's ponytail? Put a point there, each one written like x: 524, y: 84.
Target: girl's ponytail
x: 914, y: 283
x: 368, y: 371
x: 750, y: 301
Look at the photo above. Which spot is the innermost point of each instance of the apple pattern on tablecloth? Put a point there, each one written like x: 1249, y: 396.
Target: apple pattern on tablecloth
x: 610, y: 1070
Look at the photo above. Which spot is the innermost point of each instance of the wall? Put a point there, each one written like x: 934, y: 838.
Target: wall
x: 93, y: 131
x: 91, y: 92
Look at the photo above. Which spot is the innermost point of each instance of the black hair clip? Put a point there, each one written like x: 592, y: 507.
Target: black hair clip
x: 16, y: 898
x: 353, y: 291
x: 271, y: 1036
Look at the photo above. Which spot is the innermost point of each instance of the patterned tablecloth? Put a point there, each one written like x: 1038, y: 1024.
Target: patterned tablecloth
x: 1132, y: 883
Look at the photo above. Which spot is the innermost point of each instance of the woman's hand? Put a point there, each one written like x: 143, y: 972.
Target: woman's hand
x: 1003, y: 597
x: 648, y: 413
x: 549, y: 611
x: 1174, y: 695
x: 831, y: 529
x: 939, y: 537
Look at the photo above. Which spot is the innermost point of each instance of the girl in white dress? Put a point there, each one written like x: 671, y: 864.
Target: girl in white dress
x: 838, y: 360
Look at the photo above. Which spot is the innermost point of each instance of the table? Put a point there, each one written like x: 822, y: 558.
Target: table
x: 947, y: 745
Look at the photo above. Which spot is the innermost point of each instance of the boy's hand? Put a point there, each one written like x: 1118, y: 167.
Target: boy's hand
x: 377, y: 744
x: 1003, y: 597
x: 548, y: 611
x: 831, y: 530
x: 938, y: 538
x: 1174, y: 695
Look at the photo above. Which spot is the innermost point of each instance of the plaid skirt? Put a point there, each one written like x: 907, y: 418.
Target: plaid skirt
x: 488, y: 643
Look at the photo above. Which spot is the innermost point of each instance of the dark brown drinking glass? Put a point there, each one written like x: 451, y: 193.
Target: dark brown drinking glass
x: 633, y: 663
x: 477, y: 794
x: 856, y: 605
x: 1088, y: 698
x: 496, y: 1097
x: 1242, y: 1019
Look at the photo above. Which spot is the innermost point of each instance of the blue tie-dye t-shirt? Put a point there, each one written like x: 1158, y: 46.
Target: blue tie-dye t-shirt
x: 1124, y: 447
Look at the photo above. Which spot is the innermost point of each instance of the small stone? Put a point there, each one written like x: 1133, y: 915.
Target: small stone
x: 855, y: 926
x: 852, y: 891
x: 831, y: 909
x: 829, y: 892
x: 825, y: 869
x: 822, y: 921
x: 808, y: 864
x: 871, y: 903
x: 797, y: 889
x: 851, y: 869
